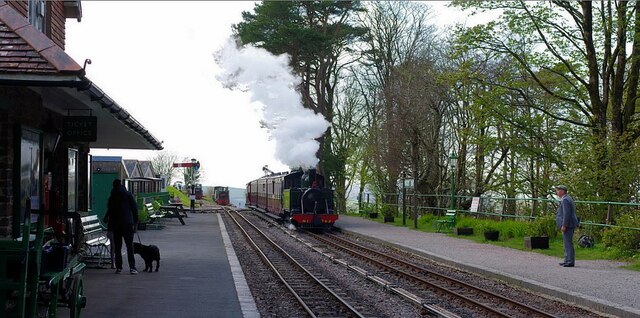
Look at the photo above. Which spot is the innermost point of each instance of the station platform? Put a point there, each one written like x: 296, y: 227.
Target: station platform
x: 199, y: 276
x: 599, y: 285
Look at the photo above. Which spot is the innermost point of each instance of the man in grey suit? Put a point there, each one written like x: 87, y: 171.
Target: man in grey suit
x: 567, y: 222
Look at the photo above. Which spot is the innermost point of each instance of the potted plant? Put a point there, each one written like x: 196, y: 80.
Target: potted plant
x: 463, y: 231
x: 143, y: 219
x: 370, y: 210
x: 388, y: 212
x: 491, y: 233
x: 539, y: 232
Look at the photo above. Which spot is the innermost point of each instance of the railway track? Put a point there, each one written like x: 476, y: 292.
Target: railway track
x: 485, y: 302
x: 313, y: 293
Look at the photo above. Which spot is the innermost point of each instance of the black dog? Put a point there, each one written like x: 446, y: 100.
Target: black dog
x: 149, y: 254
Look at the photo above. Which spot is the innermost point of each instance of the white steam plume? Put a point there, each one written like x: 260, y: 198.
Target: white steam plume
x: 271, y: 83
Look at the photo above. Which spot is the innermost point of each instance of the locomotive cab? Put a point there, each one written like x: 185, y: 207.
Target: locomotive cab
x: 299, y: 197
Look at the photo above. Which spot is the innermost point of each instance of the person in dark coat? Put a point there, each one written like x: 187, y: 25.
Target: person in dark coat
x: 122, y: 219
x: 567, y: 221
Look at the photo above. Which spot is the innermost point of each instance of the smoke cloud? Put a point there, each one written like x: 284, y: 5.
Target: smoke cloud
x: 270, y: 81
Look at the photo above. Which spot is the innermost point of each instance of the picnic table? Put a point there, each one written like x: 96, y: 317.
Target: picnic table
x: 174, y: 210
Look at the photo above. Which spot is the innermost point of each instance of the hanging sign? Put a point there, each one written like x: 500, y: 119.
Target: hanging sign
x: 80, y: 128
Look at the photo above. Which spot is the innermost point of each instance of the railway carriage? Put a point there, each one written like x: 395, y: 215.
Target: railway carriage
x: 299, y: 197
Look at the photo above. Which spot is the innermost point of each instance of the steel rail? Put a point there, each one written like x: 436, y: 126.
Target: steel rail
x: 290, y: 258
x: 324, y: 239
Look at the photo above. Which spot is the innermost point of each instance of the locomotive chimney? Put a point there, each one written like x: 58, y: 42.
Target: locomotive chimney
x: 308, y: 178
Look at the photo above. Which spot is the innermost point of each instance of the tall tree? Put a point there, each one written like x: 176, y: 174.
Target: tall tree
x: 162, y: 164
x: 316, y: 34
x: 348, y: 140
x: 399, y: 35
x: 585, y: 56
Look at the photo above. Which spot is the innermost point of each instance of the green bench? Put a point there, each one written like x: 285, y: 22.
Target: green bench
x: 446, y: 223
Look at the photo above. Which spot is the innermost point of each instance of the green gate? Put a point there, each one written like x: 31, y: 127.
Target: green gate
x: 101, y: 184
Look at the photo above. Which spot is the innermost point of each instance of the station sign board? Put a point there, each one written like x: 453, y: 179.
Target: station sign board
x: 80, y: 128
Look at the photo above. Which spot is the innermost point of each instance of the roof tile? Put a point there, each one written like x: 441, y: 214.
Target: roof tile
x: 9, y: 16
x: 36, y: 39
x: 18, y: 38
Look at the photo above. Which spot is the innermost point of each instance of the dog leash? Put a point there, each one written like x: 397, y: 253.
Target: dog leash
x: 139, y: 241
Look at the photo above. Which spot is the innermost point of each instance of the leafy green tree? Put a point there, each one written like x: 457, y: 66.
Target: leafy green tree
x: 317, y: 35
x: 399, y: 37
x: 585, y: 57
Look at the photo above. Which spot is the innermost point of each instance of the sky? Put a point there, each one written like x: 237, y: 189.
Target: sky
x: 156, y: 59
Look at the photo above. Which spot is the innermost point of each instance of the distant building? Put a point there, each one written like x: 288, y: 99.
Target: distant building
x: 137, y: 175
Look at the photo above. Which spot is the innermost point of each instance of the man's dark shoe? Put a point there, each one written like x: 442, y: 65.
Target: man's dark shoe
x: 562, y: 264
x: 567, y: 265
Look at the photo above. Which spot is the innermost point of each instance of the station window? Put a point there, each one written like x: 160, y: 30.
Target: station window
x: 37, y: 10
x: 72, y: 179
x: 30, y: 173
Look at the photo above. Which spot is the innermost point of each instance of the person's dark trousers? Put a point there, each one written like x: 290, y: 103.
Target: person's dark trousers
x: 128, y: 241
x: 569, y: 251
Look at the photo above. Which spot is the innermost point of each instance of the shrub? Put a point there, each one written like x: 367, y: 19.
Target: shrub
x: 543, y: 226
x: 143, y: 215
x: 368, y: 208
x: 626, y: 240
x: 511, y: 229
x: 388, y: 210
x: 427, y: 219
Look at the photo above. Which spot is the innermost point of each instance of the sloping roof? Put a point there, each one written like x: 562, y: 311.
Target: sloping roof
x: 106, y: 159
x: 131, y: 166
x: 24, y: 49
x: 146, y: 168
x: 29, y: 58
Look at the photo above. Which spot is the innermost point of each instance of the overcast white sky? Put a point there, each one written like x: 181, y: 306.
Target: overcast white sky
x: 155, y: 59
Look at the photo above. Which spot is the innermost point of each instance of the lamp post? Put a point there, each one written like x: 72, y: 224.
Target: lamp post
x: 453, y: 161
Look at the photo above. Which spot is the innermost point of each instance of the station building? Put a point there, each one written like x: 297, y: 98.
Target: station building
x: 51, y: 114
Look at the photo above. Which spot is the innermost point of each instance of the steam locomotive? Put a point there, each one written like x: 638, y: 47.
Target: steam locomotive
x: 299, y: 197
x: 221, y: 195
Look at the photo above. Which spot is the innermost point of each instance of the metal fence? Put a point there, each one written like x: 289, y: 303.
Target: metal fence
x: 591, y: 213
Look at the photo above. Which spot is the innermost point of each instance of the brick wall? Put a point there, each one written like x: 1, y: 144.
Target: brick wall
x: 55, y: 28
x: 54, y: 19
x: 17, y: 106
x: 6, y: 172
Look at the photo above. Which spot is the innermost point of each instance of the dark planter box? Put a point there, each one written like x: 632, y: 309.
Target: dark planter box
x: 373, y: 215
x: 491, y: 235
x: 142, y: 226
x: 539, y: 242
x: 463, y: 231
x: 388, y: 219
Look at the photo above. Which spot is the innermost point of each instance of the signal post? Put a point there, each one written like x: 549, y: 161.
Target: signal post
x: 195, y: 164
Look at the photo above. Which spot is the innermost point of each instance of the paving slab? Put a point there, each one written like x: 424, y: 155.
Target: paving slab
x: 195, y: 277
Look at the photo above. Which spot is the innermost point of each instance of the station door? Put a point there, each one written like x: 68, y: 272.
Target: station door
x: 101, y: 184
